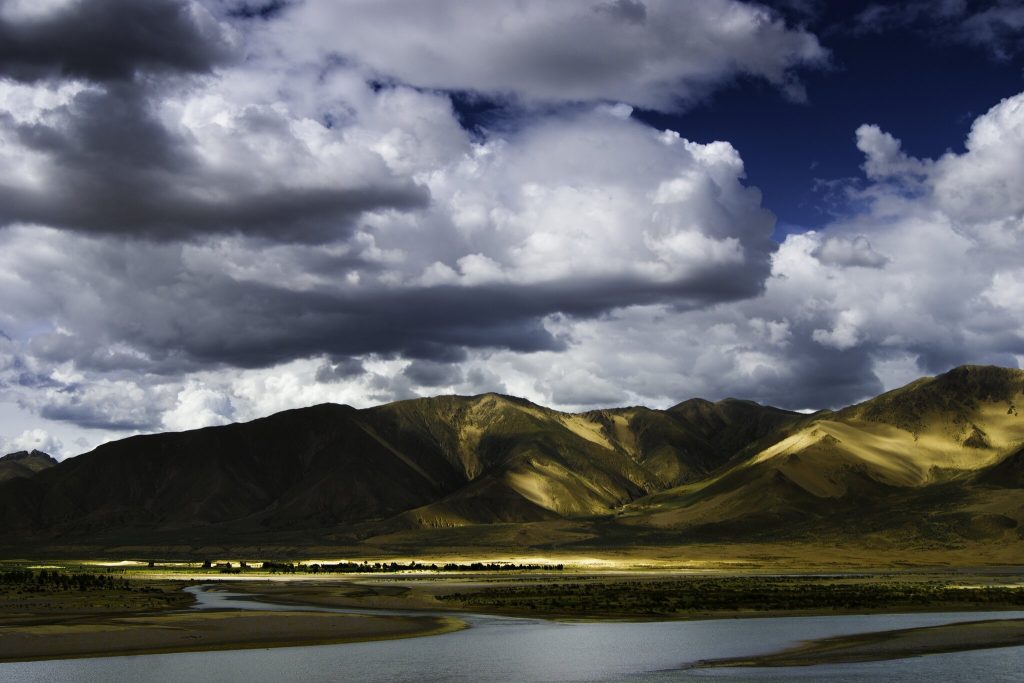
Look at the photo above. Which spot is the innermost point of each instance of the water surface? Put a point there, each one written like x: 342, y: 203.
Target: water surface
x: 503, y: 648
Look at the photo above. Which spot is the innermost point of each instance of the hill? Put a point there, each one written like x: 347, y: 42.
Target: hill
x: 907, y: 464
x: 24, y: 464
x: 934, y: 464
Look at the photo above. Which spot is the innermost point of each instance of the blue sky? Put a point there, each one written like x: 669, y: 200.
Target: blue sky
x: 585, y: 203
x: 915, y: 80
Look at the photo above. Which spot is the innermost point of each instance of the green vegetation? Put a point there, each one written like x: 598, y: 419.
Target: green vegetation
x: 702, y: 595
x: 31, y: 595
x: 43, y: 581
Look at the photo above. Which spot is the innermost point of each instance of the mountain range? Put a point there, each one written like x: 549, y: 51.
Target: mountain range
x: 936, y: 464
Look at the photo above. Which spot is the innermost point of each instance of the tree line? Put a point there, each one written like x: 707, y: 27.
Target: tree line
x: 45, y: 579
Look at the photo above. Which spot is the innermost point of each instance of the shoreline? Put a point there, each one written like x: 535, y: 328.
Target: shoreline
x: 208, y: 631
x: 568, y: 618
x: 886, y: 645
x: 58, y: 624
x: 862, y: 647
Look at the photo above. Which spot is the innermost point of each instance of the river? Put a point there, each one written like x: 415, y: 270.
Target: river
x: 512, y: 649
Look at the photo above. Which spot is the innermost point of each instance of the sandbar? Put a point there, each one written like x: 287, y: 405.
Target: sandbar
x: 884, y: 645
x: 208, y: 630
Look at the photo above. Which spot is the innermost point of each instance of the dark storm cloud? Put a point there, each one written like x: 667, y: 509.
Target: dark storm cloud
x: 106, y: 161
x: 265, y: 9
x: 107, y: 40
x: 823, y: 378
x: 427, y: 373
x: 339, y: 370
x: 115, y: 168
x: 282, y: 325
x: 629, y: 11
x: 98, y: 357
x: 174, y: 321
x: 97, y: 415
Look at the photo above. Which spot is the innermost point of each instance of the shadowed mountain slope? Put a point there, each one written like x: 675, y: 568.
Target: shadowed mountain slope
x: 308, y: 467
x: 436, y: 462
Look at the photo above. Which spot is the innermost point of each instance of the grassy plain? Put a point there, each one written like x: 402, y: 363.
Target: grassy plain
x: 59, y: 616
x: 53, y: 612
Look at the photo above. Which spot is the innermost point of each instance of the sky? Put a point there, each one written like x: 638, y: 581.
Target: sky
x: 214, y: 210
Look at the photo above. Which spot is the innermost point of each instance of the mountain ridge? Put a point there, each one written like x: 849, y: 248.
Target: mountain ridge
x: 22, y: 464
x: 946, y: 447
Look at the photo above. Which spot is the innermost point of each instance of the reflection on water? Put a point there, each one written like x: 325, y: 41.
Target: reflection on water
x: 498, y: 648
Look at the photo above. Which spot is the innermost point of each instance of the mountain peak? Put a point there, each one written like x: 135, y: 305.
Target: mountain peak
x: 951, y: 398
x: 24, y: 464
x: 29, y: 455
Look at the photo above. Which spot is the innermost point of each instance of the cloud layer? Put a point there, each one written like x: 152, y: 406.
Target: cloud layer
x: 657, y: 54
x: 274, y: 207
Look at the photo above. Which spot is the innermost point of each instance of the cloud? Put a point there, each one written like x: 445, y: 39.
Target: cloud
x: 118, y: 160
x: 578, y: 303
x: 341, y: 369
x: 629, y: 11
x: 925, y: 277
x: 543, y: 221
x: 981, y: 187
x: 657, y: 54
x: 32, y: 440
x: 428, y: 373
x: 109, y: 40
x: 842, y: 251
x: 255, y: 9
x: 884, y: 156
x: 198, y: 406
x: 999, y: 29
x: 297, y: 215
x: 295, y: 149
x: 993, y: 26
x: 100, y: 403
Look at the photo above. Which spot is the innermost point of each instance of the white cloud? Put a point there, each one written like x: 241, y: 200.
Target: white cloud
x: 32, y: 440
x: 843, y: 251
x: 845, y: 332
x: 983, y: 185
x: 31, y: 10
x: 594, y: 210
x: 198, y: 406
x: 584, y: 197
x: 575, y: 256
x: 884, y: 155
x: 656, y: 54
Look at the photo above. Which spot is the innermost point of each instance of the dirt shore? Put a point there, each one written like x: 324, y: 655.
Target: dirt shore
x: 146, y: 612
x: 212, y: 630
x: 869, y: 647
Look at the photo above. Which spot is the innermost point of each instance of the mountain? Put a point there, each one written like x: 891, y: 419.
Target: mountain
x: 438, y: 462
x: 925, y: 448
x: 938, y: 461
x: 24, y: 464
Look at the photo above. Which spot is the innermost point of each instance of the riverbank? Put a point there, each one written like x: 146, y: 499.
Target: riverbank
x: 50, y: 614
x: 208, y: 630
x: 885, y: 645
x: 653, y: 596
